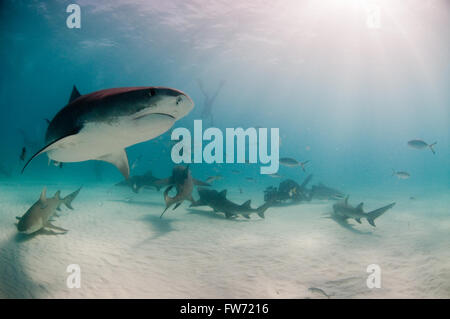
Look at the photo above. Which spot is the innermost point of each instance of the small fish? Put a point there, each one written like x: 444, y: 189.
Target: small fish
x: 275, y: 175
x: 290, y: 162
x: 400, y: 174
x: 240, y: 191
x: 250, y: 179
x: 211, y: 179
x: 420, y: 145
x: 23, y: 154
x: 319, y: 291
x: 235, y: 171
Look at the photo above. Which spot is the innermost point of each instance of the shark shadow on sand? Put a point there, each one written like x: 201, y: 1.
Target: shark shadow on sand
x: 214, y: 215
x: 136, y: 202
x: 15, y: 282
x: 158, y: 226
x: 345, y: 224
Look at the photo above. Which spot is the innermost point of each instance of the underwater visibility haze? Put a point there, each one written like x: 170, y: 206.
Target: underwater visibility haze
x: 357, y: 90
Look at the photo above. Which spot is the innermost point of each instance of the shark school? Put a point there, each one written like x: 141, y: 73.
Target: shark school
x: 213, y: 151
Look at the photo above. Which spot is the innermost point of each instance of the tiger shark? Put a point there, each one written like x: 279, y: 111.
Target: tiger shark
x: 100, y: 125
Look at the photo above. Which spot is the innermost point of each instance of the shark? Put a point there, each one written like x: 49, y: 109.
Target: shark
x: 184, y: 183
x: 100, y: 125
x: 39, y: 216
x: 137, y: 182
x: 344, y: 210
x: 219, y: 203
x: 321, y: 191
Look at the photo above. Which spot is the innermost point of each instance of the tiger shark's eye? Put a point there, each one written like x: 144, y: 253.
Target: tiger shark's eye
x: 179, y: 100
x: 152, y: 92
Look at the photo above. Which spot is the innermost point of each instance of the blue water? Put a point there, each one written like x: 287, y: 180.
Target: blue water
x: 344, y: 96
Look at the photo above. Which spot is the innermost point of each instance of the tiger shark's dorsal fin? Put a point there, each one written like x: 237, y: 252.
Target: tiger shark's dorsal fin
x: 346, y: 199
x: 57, y: 195
x: 75, y: 94
x: 360, y: 206
x: 223, y: 193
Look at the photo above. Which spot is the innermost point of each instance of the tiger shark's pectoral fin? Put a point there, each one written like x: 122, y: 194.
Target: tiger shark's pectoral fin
x: 119, y: 160
x: 176, y: 206
x: 51, y: 146
x: 51, y: 226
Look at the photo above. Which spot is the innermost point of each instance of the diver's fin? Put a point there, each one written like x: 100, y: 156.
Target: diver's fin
x: 119, y: 160
x: 200, y: 183
x: 69, y: 198
x: 75, y: 94
x: 371, y: 216
x: 51, y: 146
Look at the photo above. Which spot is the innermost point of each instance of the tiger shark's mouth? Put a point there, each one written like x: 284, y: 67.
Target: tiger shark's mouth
x: 150, y: 114
x: 169, y: 115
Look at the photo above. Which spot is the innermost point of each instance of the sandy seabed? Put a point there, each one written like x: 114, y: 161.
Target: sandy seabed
x: 125, y: 250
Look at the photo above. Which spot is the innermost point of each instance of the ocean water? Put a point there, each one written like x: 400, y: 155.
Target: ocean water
x: 347, y: 83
